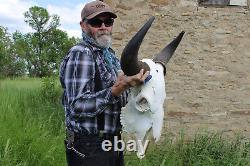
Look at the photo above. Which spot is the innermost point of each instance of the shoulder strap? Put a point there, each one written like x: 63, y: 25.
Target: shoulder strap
x: 98, y: 86
x: 97, y: 78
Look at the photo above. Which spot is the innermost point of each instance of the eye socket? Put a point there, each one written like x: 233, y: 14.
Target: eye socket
x: 157, y: 71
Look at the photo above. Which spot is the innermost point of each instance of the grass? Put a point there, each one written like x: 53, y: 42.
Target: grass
x: 31, y: 127
x: 206, y: 149
x: 32, y: 133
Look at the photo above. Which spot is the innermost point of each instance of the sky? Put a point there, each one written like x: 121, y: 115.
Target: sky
x: 69, y: 11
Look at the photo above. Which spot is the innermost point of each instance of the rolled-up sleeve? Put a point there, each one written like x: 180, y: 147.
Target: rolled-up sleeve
x: 79, y: 85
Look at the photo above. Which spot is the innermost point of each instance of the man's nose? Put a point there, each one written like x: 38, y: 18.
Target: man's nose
x: 103, y: 26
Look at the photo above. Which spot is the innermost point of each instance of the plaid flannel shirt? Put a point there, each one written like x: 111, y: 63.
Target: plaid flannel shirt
x: 81, y: 103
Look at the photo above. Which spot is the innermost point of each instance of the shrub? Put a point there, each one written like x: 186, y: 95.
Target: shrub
x: 50, y: 90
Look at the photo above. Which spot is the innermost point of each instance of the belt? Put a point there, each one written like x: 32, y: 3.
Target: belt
x: 73, y: 136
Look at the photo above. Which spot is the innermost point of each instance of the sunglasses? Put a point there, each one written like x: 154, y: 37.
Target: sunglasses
x: 97, y: 23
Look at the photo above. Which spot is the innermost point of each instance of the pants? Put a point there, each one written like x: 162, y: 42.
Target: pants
x: 91, y: 147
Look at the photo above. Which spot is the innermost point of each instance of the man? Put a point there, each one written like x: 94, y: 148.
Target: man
x: 94, y: 92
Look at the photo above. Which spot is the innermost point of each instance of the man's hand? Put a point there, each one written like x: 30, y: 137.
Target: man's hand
x: 124, y: 82
x: 137, y: 79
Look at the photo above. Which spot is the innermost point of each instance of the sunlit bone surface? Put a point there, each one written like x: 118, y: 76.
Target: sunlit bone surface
x: 145, y: 107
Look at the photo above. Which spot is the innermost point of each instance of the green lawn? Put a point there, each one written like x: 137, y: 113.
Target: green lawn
x: 32, y: 133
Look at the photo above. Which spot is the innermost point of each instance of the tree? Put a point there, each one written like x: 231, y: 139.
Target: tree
x: 24, y: 49
x: 11, y: 64
x: 43, y: 48
x: 4, y: 42
x: 56, y: 47
x: 38, y: 18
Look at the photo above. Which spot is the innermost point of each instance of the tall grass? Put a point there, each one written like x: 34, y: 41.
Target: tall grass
x: 32, y: 133
x: 31, y: 128
x: 206, y: 149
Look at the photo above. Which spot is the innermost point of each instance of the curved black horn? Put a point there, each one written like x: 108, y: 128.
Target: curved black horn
x: 165, y: 55
x: 129, y: 58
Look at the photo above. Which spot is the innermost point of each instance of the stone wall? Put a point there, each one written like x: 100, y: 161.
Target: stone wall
x: 208, y: 78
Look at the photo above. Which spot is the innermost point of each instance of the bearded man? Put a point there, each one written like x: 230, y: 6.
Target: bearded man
x: 94, y: 92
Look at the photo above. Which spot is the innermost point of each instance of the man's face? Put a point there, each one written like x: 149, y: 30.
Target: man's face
x: 99, y: 28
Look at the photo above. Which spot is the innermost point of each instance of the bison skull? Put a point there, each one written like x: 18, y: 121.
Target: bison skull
x: 144, y: 110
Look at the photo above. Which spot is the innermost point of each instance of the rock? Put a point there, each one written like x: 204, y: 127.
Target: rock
x: 205, y: 23
x: 124, y: 7
x: 226, y: 52
x: 169, y: 98
x: 187, y: 52
x: 222, y: 31
x: 240, y: 35
x: 153, y: 6
x: 112, y: 3
x: 196, y: 105
x: 191, y: 62
x: 187, y: 14
x: 118, y: 36
x: 217, y: 74
x: 160, y: 2
x: 188, y: 3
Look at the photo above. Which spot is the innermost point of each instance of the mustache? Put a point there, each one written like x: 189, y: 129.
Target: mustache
x: 101, y: 33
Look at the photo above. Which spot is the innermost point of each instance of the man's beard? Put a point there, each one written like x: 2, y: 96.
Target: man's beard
x: 103, y: 38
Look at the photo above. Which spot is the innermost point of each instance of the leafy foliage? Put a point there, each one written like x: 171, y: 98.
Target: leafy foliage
x: 38, y: 19
x: 47, y: 44
x: 36, y: 53
x: 50, y: 90
x: 11, y: 64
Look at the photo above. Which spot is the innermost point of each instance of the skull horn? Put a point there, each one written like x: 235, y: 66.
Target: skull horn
x: 164, y: 56
x: 129, y: 58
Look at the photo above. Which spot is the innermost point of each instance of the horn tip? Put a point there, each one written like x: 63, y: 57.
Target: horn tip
x: 151, y: 20
x: 182, y: 33
x: 152, y: 17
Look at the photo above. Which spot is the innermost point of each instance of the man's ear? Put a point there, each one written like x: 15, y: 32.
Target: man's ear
x: 83, y: 25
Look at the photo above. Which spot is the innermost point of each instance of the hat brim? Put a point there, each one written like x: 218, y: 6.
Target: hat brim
x: 113, y: 15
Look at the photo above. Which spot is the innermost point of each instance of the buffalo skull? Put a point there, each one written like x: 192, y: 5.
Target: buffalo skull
x: 144, y: 110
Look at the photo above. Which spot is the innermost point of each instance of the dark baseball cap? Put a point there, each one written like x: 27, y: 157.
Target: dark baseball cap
x: 95, y: 8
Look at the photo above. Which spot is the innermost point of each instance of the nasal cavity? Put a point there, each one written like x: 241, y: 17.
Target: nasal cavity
x: 142, y: 104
